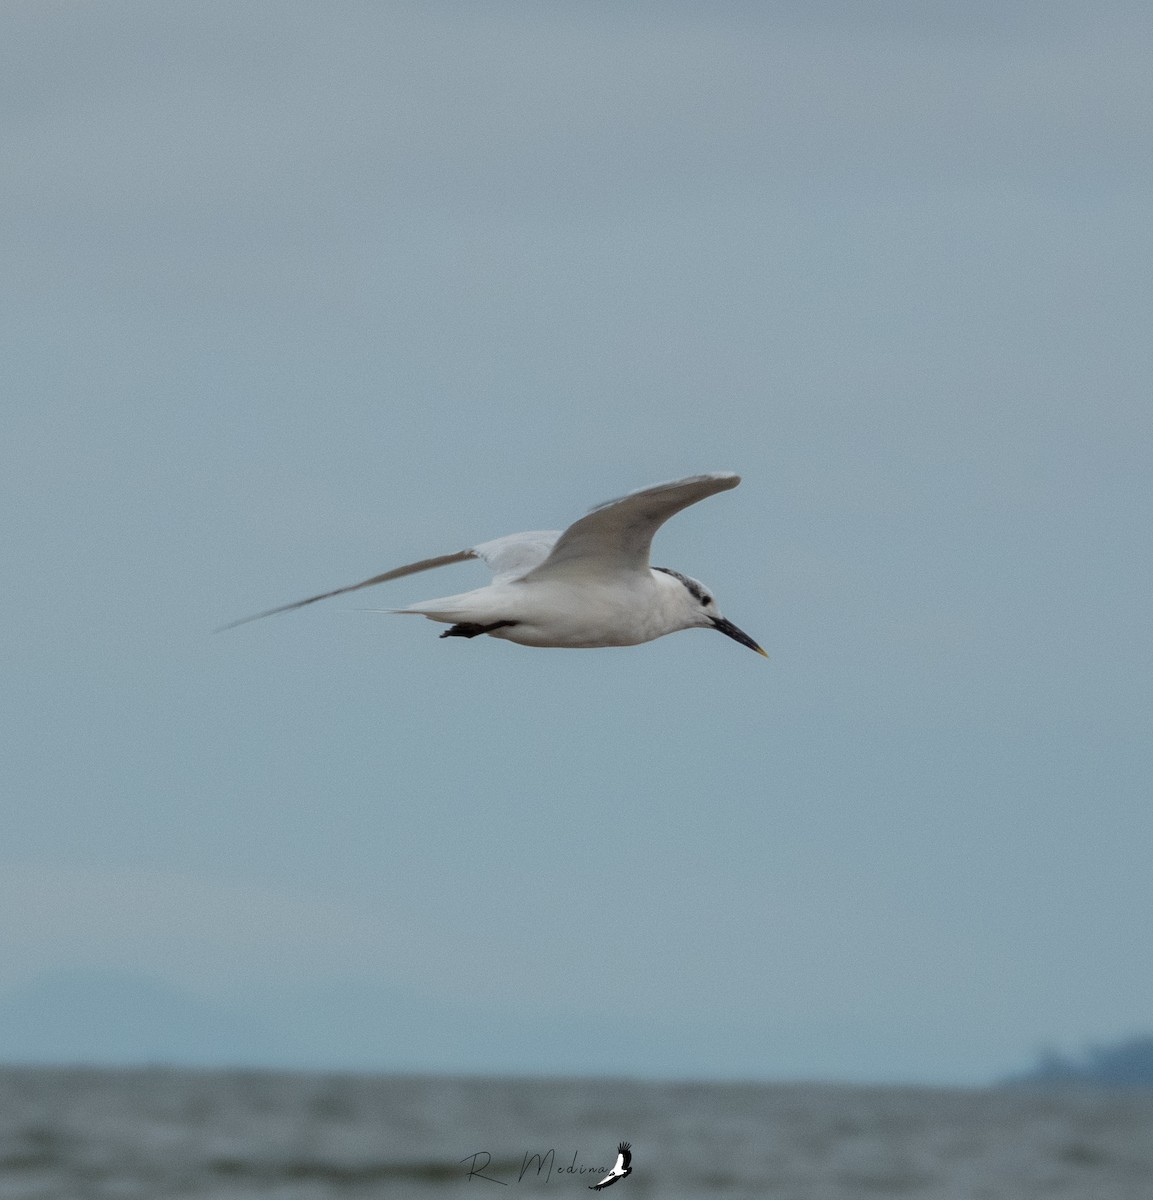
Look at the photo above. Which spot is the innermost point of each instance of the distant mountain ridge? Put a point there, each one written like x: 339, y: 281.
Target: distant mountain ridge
x: 1127, y: 1063
x: 113, y: 1018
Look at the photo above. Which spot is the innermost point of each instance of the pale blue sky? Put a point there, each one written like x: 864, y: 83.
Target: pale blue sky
x: 299, y: 292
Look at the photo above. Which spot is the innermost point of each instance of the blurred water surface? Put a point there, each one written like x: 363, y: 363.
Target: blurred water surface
x: 76, y: 1133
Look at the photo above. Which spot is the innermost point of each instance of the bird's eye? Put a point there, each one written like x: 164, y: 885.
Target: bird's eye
x: 706, y: 600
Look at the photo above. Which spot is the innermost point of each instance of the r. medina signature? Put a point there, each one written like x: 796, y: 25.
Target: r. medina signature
x: 481, y: 1162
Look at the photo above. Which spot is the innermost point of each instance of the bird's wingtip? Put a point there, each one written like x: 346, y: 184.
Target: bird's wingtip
x: 728, y: 478
x: 721, y: 480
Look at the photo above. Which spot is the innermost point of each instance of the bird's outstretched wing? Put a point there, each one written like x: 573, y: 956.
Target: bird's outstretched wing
x: 616, y: 536
x: 425, y: 564
x: 507, y: 557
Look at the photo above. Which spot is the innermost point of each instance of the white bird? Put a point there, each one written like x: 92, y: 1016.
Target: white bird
x: 621, y: 1168
x: 590, y: 585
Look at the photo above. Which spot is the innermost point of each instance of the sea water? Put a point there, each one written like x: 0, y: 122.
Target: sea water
x: 152, y: 1134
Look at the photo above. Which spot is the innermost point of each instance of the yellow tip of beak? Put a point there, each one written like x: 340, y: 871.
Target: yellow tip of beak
x: 762, y: 652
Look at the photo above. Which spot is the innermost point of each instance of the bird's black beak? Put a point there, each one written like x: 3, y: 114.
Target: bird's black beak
x: 738, y: 635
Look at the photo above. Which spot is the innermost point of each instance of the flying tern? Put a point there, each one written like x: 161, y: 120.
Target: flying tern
x: 586, y: 586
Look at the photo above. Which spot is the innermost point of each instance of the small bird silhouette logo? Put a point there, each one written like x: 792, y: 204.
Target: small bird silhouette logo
x: 621, y: 1168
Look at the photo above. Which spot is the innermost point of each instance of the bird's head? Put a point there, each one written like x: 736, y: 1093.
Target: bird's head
x: 694, y: 604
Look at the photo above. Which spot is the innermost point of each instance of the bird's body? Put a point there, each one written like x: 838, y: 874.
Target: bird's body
x: 588, y: 586
x: 577, y: 613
